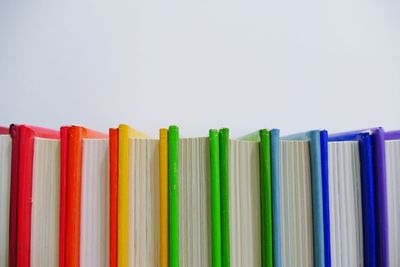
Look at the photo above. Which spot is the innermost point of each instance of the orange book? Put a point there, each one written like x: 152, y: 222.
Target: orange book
x: 113, y: 195
x: 164, y: 237
x: 70, y: 192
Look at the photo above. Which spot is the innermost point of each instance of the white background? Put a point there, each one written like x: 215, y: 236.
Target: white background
x: 243, y: 64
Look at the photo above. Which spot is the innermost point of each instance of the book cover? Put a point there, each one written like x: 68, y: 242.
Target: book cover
x: 224, y: 183
x: 319, y: 216
x: 164, y: 212
x: 173, y: 190
x: 70, y: 192
x: 21, y: 190
x: 369, y: 208
x: 275, y: 189
x: 263, y: 137
x: 215, y: 198
x: 113, y: 143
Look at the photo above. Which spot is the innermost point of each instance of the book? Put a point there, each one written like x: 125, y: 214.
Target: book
x: 224, y: 184
x: 319, y: 189
x: 164, y: 211
x: 95, y: 203
x: 392, y: 151
x: 263, y: 138
x: 5, y: 180
x: 366, y: 164
x: 113, y: 146
x: 124, y: 134
x: 215, y: 198
x: 374, y: 199
x: 70, y: 191
x: 297, y: 235
x: 345, y: 203
x: 275, y: 194
x: 33, y: 227
x: 173, y: 193
x: 325, y: 196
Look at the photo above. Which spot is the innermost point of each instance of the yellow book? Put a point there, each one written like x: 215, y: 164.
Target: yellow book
x: 164, y: 248
x: 125, y: 132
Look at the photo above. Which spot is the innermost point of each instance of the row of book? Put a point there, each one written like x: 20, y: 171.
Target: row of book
x: 77, y: 197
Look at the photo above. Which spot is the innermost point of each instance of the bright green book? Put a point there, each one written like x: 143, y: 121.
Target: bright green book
x: 263, y: 136
x: 224, y: 181
x: 215, y: 199
x: 173, y: 182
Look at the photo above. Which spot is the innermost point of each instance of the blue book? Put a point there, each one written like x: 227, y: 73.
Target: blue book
x: 275, y: 179
x: 320, y: 194
x: 367, y: 191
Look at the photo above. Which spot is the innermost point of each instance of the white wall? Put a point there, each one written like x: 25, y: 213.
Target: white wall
x: 244, y: 64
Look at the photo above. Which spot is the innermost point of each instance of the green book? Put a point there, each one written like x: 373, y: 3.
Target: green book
x: 224, y: 178
x: 215, y: 199
x: 173, y: 160
x: 263, y: 136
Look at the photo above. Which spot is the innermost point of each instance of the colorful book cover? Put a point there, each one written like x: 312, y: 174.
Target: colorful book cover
x: 275, y: 189
x: 70, y: 192
x: 224, y: 184
x: 263, y: 137
x: 125, y: 132
x: 321, y: 257
x: 215, y: 198
x: 173, y: 190
x: 164, y: 222
x: 392, y: 135
x: 21, y: 190
x: 325, y: 195
x: 113, y: 135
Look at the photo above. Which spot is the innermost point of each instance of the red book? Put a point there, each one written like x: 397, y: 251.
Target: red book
x: 113, y: 195
x: 21, y: 190
x: 70, y: 192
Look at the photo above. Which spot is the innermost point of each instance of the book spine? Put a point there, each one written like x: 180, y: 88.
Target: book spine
x: 123, y: 197
x: 325, y: 196
x: 215, y: 199
x: 275, y: 188
x: 63, y: 195
x: 164, y: 237
x: 224, y: 180
x: 317, y: 210
x: 113, y: 195
x: 381, y: 198
x: 173, y: 179
x: 266, y: 199
x: 12, y: 241
x: 73, y: 211
x: 368, y: 200
x: 24, y: 197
